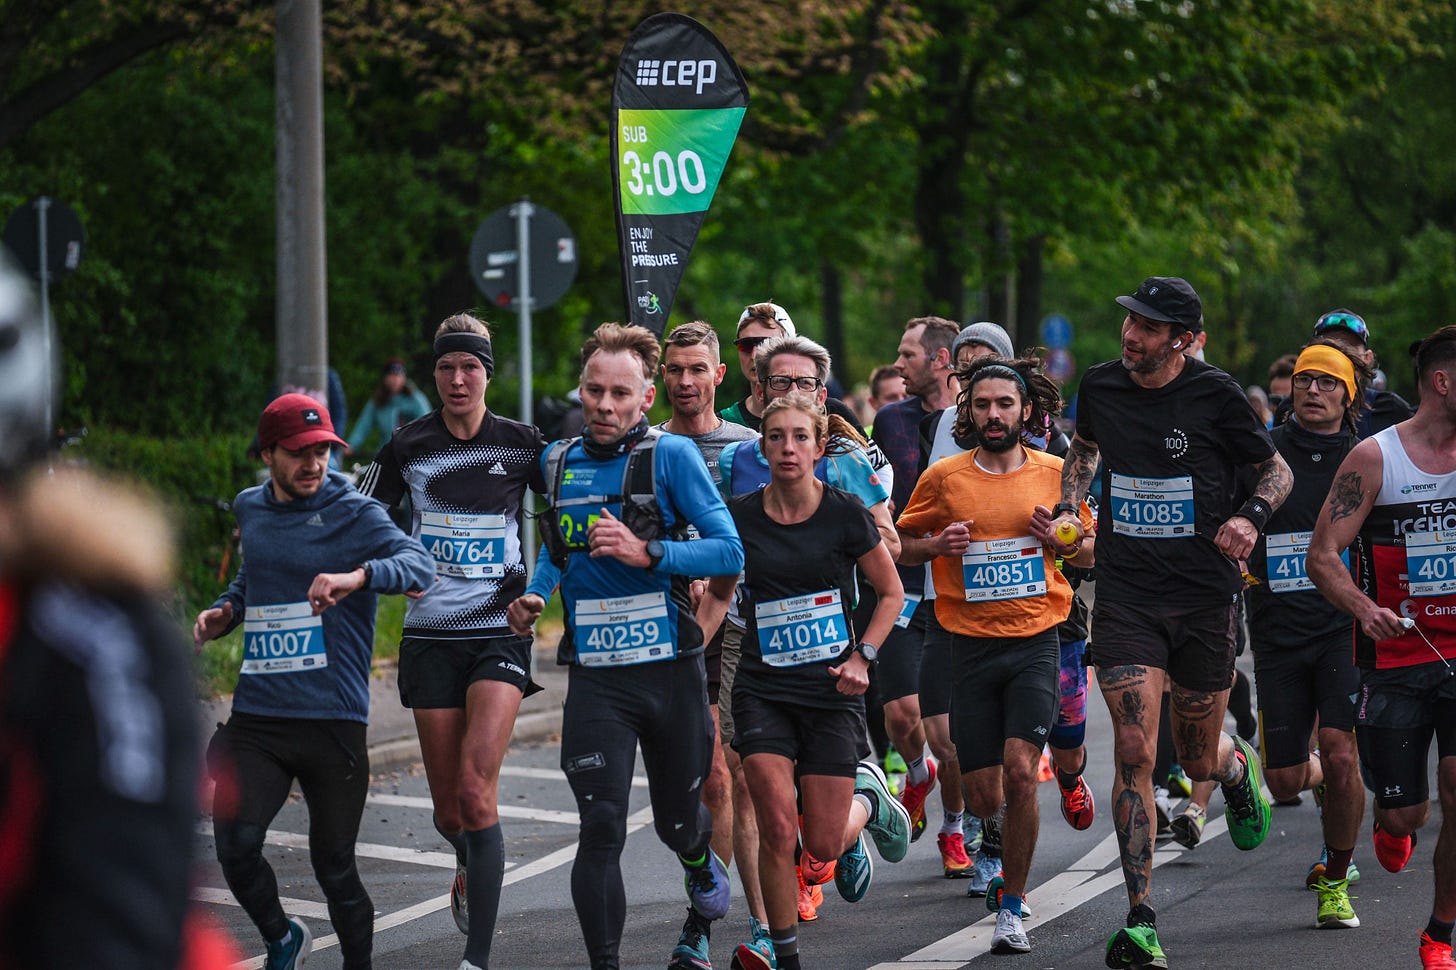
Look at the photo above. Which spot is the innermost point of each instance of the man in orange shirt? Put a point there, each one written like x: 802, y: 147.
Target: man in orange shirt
x: 982, y: 519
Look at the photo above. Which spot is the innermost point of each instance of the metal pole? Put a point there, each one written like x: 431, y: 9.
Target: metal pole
x: 42, y: 204
x: 523, y: 210
x: 302, y: 306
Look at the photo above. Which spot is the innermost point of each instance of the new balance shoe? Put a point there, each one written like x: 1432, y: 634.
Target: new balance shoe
x: 458, y: 907
x: 1248, y: 810
x: 997, y: 890
x: 1334, y: 909
x: 1393, y: 851
x: 810, y: 898
x: 691, y: 952
x: 816, y: 873
x: 913, y: 799
x: 1318, y: 867
x: 1163, y: 805
x: 1010, y: 936
x: 889, y: 823
x: 1435, y: 956
x: 707, y: 885
x: 290, y: 952
x: 1136, y: 946
x: 1078, y: 806
x: 1187, y: 827
x: 984, y: 870
x: 855, y: 871
x: 953, y: 859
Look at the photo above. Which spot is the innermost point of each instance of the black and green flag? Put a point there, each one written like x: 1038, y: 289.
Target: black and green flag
x: 676, y: 108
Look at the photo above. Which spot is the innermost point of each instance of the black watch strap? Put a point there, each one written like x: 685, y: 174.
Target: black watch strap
x: 1064, y: 508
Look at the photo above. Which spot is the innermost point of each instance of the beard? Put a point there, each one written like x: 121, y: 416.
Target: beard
x: 1149, y: 364
x: 1009, y: 439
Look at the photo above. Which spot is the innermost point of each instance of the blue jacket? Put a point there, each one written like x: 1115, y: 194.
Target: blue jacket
x: 286, y: 671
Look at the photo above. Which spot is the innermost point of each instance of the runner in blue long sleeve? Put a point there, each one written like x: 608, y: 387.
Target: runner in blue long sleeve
x: 621, y: 498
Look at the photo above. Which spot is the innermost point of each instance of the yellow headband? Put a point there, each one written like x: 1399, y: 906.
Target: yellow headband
x: 1328, y: 360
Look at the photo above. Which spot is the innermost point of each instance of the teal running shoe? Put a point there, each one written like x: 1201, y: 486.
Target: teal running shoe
x: 855, y: 871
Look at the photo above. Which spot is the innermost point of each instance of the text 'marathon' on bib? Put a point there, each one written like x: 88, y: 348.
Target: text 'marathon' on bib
x: 466, y: 546
x: 1152, y: 508
x: 282, y: 638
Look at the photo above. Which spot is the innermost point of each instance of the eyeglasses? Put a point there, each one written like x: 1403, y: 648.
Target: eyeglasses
x: 1324, y: 382
x: 1343, y: 320
x: 782, y: 382
x: 747, y: 345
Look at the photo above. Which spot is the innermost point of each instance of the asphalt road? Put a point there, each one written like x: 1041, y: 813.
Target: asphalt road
x: 1217, y: 906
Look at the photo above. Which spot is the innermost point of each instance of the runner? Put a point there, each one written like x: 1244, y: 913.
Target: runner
x: 620, y: 502
x: 691, y: 373
x: 465, y: 471
x: 757, y: 323
x: 1302, y: 659
x: 1171, y: 431
x: 797, y: 698
x: 911, y: 662
x: 982, y: 519
x: 318, y: 555
x: 1390, y: 505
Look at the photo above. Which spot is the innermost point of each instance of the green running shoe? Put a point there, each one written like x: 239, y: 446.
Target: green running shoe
x: 1335, y: 910
x: 894, y: 763
x: 889, y: 825
x: 1248, y: 810
x: 1136, y: 946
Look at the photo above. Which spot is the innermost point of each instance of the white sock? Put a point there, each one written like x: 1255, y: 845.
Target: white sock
x: 951, y: 823
x: 918, y: 772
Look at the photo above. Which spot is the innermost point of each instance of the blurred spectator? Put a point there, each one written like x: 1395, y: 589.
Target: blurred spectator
x: 396, y: 402
x: 1260, y: 402
x: 1281, y: 377
x: 886, y: 386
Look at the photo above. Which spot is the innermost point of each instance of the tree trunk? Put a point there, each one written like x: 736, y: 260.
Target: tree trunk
x: 1028, y: 291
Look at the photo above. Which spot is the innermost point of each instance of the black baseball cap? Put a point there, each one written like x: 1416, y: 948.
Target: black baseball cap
x: 1167, y: 299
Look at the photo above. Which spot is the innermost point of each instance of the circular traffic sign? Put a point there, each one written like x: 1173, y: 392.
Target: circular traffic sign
x: 1056, y: 331
x: 1060, y: 366
x: 495, y: 258
x: 65, y: 237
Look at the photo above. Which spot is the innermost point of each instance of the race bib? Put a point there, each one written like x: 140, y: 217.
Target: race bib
x: 1004, y: 569
x: 1152, y: 508
x: 1430, y: 562
x: 282, y: 639
x: 912, y: 600
x: 467, y: 546
x: 1286, y: 557
x: 623, y: 631
x: 801, y: 630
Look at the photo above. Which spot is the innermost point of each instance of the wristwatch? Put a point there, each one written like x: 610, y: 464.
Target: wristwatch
x: 368, y: 573
x: 655, y: 552
x: 869, y: 651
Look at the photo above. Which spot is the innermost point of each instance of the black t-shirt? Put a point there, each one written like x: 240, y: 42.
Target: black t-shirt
x: 814, y: 559
x: 1285, y: 609
x: 1169, y: 457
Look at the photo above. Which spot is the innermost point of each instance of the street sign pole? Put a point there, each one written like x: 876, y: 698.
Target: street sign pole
x: 523, y: 210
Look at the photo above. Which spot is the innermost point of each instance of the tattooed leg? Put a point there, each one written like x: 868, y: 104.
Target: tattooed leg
x: 1133, y: 695
x: 1204, y: 751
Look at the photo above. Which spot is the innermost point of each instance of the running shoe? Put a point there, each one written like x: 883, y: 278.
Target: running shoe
x: 1078, y: 805
x: 997, y: 890
x: 971, y: 829
x: 894, y: 764
x: 1248, y: 810
x: 1334, y: 904
x: 1044, y: 771
x: 984, y: 869
x: 889, y: 823
x: 458, y: 907
x: 1188, y: 827
x: 467, y: 965
x: 709, y: 890
x: 290, y: 952
x: 1163, y: 804
x: 991, y: 833
x: 913, y: 799
x: 691, y: 952
x: 816, y: 873
x: 1392, y: 851
x: 1136, y: 946
x: 953, y: 858
x: 1317, y: 869
x: 758, y: 952
x: 1010, y: 936
x: 855, y: 871
x: 1435, y: 956
x: 1179, y: 783
x: 810, y: 899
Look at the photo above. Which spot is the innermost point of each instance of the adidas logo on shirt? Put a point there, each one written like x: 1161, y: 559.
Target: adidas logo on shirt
x: 315, y: 520
x: 497, y: 469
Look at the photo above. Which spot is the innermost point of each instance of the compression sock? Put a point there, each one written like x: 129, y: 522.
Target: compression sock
x: 456, y: 840
x: 1070, y: 781
x: 483, y: 876
x: 786, y: 947
x: 919, y: 771
x: 1438, y: 931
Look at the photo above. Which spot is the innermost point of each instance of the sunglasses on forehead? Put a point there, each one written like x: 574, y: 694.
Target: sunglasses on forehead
x: 1339, y: 320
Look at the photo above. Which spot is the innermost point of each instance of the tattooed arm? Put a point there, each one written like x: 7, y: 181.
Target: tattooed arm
x: 1237, y: 536
x: 1078, y: 467
x: 1349, y: 502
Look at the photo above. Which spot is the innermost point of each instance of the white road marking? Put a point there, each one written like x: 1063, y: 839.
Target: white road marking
x: 506, y: 811
x: 555, y: 774
x: 368, y: 850
x: 293, y: 907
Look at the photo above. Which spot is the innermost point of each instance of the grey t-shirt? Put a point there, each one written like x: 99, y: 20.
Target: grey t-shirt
x: 713, y: 443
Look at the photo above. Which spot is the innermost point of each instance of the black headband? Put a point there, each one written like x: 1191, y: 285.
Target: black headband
x: 1002, y: 371
x: 467, y: 343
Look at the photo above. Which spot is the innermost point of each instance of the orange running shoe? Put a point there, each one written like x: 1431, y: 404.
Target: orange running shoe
x: 1078, y: 806
x: 1435, y: 956
x: 815, y: 873
x: 810, y: 899
x: 1393, y: 852
x: 913, y: 798
x: 953, y: 858
x: 1044, y: 770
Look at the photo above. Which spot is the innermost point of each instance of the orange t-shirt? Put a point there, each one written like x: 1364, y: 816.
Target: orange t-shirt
x: 1007, y: 584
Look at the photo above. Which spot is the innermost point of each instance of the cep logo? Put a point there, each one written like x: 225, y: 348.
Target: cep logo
x: 680, y: 74
x: 1414, y: 489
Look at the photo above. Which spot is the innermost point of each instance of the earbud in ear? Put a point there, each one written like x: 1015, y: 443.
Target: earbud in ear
x: 1178, y: 345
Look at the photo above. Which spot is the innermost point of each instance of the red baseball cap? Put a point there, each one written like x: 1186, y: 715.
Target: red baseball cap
x: 295, y: 421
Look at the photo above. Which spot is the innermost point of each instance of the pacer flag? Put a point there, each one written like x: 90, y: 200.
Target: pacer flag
x: 676, y: 108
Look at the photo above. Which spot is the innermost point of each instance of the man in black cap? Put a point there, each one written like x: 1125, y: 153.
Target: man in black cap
x: 1171, y: 432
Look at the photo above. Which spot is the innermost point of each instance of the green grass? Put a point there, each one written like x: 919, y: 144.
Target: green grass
x: 220, y: 659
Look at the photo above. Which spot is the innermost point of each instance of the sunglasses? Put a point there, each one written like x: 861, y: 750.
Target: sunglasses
x: 1343, y: 321
x: 747, y: 345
